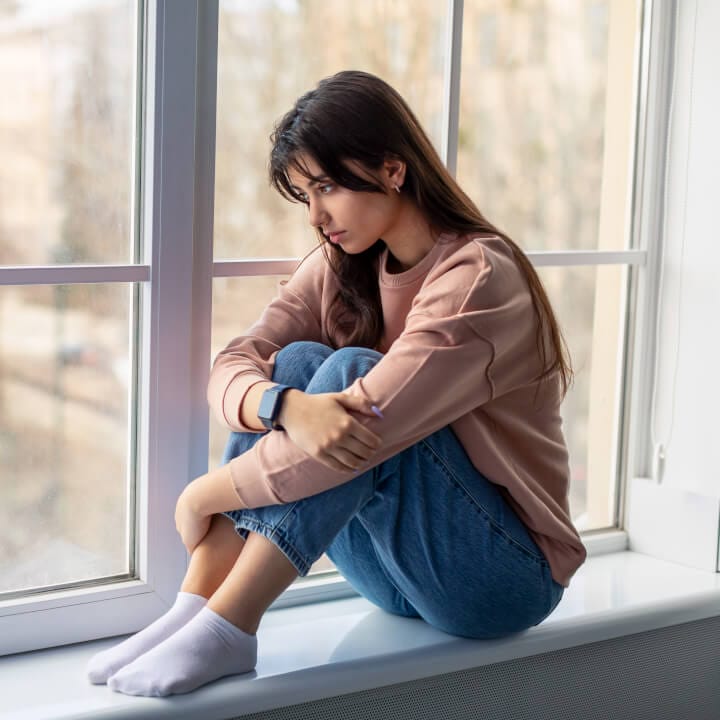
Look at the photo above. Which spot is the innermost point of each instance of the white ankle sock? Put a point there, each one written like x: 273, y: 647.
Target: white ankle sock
x: 108, y: 662
x: 207, y: 648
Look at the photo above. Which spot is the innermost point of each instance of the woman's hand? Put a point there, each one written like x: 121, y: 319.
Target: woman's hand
x: 189, y: 521
x: 323, y: 426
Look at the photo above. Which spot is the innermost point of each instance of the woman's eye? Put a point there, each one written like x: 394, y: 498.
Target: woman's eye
x: 325, y: 189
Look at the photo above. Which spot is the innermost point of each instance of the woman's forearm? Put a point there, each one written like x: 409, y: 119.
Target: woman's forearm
x: 251, y: 403
x: 213, y: 492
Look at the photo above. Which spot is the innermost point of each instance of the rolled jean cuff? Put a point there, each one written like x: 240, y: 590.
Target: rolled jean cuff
x: 274, y: 533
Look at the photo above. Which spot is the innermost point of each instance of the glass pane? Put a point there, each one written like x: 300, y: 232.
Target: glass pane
x: 588, y: 303
x: 270, y: 53
x: 539, y: 124
x: 66, y: 131
x: 64, y: 379
x: 237, y: 304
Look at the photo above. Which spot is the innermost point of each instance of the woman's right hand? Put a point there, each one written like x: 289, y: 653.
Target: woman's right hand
x: 323, y: 426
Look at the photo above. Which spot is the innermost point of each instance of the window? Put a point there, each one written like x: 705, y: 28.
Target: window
x: 97, y: 264
x: 124, y: 269
x: 67, y: 128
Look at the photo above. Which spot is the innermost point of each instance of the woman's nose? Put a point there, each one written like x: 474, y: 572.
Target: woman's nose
x: 317, y: 214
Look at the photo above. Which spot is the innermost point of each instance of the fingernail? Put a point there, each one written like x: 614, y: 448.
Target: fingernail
x: 375, y: 409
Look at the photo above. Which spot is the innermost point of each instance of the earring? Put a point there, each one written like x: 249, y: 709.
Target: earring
x: 397, y: 188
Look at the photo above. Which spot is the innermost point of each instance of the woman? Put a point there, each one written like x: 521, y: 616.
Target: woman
x: 397, y: 407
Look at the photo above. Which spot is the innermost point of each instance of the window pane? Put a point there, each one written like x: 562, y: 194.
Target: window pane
x: 537, y: 124
x: 66, y: 131
x: 588, y: 305
x: 269, y: 54
x: 64, y: 379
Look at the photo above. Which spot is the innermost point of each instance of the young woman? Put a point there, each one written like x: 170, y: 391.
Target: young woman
x: 397, y: 407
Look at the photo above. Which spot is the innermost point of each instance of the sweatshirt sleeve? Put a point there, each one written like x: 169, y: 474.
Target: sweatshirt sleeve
x: 250, y: 358
x: 436, y: 371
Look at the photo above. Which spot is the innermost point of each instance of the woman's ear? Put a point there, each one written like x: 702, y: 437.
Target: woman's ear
x: 394, y: 171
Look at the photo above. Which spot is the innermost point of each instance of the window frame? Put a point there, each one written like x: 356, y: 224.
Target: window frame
x: 174, y: 278
x: 647, y: 232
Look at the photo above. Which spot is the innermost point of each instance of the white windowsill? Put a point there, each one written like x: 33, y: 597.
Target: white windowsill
x: 331, y: 648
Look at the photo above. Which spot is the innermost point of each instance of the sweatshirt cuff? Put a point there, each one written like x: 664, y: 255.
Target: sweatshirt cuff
x: 233, y: 401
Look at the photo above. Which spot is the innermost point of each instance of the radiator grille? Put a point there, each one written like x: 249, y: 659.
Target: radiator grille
x: 667, y: 674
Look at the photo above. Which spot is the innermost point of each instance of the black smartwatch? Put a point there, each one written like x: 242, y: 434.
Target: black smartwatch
x: 270, y: 405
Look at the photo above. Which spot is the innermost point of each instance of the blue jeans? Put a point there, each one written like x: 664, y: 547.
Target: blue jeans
x: 422, y: 534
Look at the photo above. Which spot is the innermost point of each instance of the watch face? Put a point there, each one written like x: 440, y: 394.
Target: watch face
x: 270, y: 405
x: 267, y: 403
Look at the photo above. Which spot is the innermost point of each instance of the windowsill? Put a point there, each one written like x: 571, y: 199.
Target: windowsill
x: 332, y: 648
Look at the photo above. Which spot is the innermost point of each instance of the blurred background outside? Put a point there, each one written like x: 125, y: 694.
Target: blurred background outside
x: 531, y: 143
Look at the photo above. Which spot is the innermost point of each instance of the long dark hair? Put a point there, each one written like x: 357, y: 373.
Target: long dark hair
x: 357, y: 116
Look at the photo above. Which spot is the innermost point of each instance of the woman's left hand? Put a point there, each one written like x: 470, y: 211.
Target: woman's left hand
x: 189, y: 521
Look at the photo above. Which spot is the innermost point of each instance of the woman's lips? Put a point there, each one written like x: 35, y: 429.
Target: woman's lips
x: 334, y: 237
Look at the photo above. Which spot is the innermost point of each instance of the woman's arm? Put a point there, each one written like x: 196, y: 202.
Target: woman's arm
x: 212, y: 493
x: 204, y: 497
x: 244, y: 368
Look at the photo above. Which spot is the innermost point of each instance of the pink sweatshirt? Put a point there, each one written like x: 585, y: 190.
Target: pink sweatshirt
x: 459, y: 349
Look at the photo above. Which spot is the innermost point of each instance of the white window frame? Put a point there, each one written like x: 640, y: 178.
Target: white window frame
x: 175, y: 278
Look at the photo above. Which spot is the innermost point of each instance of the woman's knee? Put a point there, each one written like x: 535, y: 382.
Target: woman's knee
x: 352, y: 353
x: 297, y: 362
x: 304, y: 347
x: 302, y: 351
x: 342, y: 368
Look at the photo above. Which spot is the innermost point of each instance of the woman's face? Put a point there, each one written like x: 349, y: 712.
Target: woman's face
x: 353, y: 220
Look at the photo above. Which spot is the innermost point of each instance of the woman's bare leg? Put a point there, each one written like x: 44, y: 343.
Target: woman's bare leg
x: 259, y: 575
x: 211, y: 561
x: 213, y: 558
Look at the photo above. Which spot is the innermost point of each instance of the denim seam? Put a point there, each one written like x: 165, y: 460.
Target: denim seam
x: 271, y: 532
x: 391, y: 581
x: 493, y: 525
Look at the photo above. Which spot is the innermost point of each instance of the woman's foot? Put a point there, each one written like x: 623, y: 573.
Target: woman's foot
x: 205, y: 649
x: 108, y: 662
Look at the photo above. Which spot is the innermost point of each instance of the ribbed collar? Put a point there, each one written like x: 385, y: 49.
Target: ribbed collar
x: 416, y: 271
